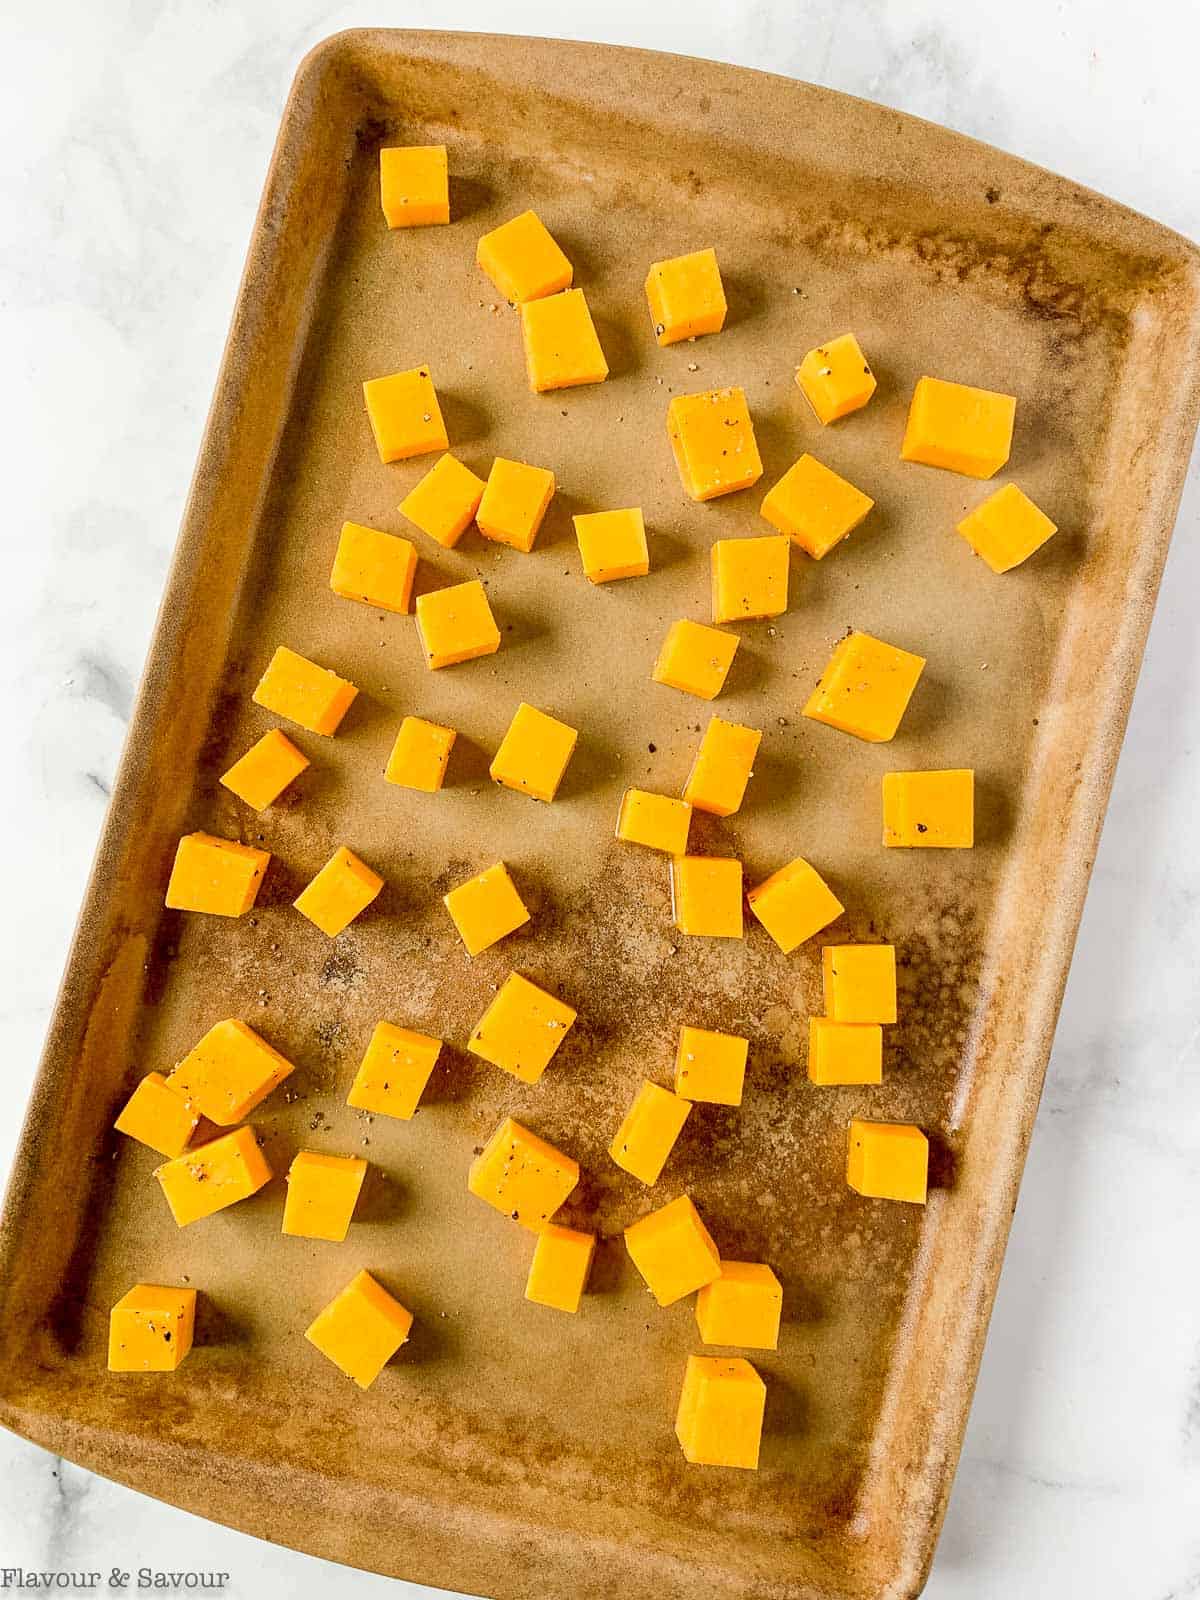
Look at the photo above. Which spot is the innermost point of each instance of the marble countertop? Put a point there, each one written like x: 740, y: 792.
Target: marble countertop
x: 135, y: 135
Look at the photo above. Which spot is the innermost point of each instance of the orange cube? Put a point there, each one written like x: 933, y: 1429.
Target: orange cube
x: 794, y: 903
x: 562, y: 1259
x: 1006, y: 529
x: 394, y: 1072
x: 655, y: 820
x: 264, y: 772
x: 673, y: 1251
x: 522, y: 1176
x: 515, y: 499
x: 721, y: 1409
x: 443, y: 504
x: 302, y: 692
x: 376, y: 568
x: 835, y: 379
x: 844, y: 1052
x: 456, y: 624
x: 229, y: 1072
x: 486, y: 908
x: 533, y: 754
x: 711, y: 1066
x: 859, y: 981
x: 714, y: 444
x: 647, y: 1135
x: 361, y: 1329
x: 962, y: 429
x: 695, y: 659
x: 723, y: 767
x: 749, y: 578
x: 414, y: 186
x: 522, y: 1029
x: 344, y: 887
x: 562, y: 349
x: 200, y: 1182
x: 814, y: 506
x: 929, y: 810
x: 218, y: 876
x: 404, y: 414
x: 612, y: 544
x: 159, y: 1116
x: 523, y: 260
x: 419, y: 755
x: 150, y: 1329
x: 888, y: 1161
x: 322, y: 1192
x: 686, y: 297
x: 741, y: 1307
x: 706, y: 896
x: 866, y: 688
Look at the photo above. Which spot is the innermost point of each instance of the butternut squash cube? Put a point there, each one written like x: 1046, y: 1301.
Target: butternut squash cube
x: 322, y: 1192
x: 647, y: 1135
x: 814, y: 506
x: 1006, y: 529
x: 456, y: 624
x: 714, y: 444
x: 695, y: 659
x: 443, y: 504
x: 673, y: 1251
x: 706, y: 896
x: 844, y: 1052
x: 419, y: 755
x: 344, y: 887
x: 229, y: 1072
x: 203, y: 1181
x: 711, y: 1066
x: 866, y: 688
x: 749, y: 578
x: 720, y: 1418
x: 521, y: 1029
x: 523, y: 260
x: 562, y: 348
x: 794, y: 903
x: 522, y: 1176
x: 929, y: 810
x: 655, y: 820
x: 361, y: 1329
x: 219, y: 876
x: 835, y: 379
x: 888, y: 1161
x: 414, y: 185
x: 300, y: 691
x: 955, y: 426
x: 486, y: 908
x: 392, y: 1076
x: 404, y: 414
x: 159, y: 1116
x: 612, y: 544
x: 723, y: 767
x: 376, y: 568
x: 515, y: 499
x: 558, y: 1273
x: 686, y: 297
x: 859, y: 981
x: 533, y: 754
x: 150, y: 1329
x: 741, y: 1307
x: 260, y: 776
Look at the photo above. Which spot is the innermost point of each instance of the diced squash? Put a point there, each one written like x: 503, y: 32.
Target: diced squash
x: 361, y: 1329
x: 721, y: 1408
x: 562, y: 348
x: 443, y: 504
x: 523, y: 260
x: 749, y: 578
x: 558, y: 1273
x: 655, y: 820
x: 229, y: 1072
x: 888, y: 1161
x: 260, y: 776
x: 344, y: 887
x: 404, y: 414
x: 714, y: 444
x: 533, y: 754
x: 963, y: 429
x: 741, y: 1307
x: 794, y: 903
x: 673, y: 1251
x: 686, y: 297
x: 456, y: 624
x: 723, y: 767
x: 213, y: 1176
x: 150, y: 1329
x: 414, y: 186
x: 419, y: 755
x: 844, y: 1052
x: 486, y: 908
x: 302, y: 692
x: 866, y: 688
x: 521, y: 1029
x: 710, y: 1066
x: 515, y: 499
x: 835, y: 379
x: 859, y: 982
x: 814, y: 506
x: 647, y: 1135
x: 376, y: 568
x: 706, y: 896
x: 219, y: 876
x: 394, y: 1072
x: 1006, y: 529
x: 159, y: 1116
x: 696, y: 659
x: 612, y: 544
x: 522, y: 1176
x: 322, y: 1192
x: 929, y: 810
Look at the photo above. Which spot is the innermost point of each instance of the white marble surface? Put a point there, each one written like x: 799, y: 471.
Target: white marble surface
x: 134, y: 136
